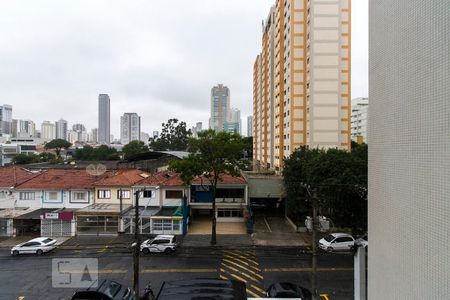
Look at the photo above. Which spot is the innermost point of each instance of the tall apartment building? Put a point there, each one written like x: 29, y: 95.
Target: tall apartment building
x: 220, y: 107
x: 61, y: 129
x: 104, y: 119
x: 234, y: 122
x: 5, y: 119
x: 301, y: 80
x: 196, y: 129
x: 250, y: 126
x: 360, y: 107
x: 23, y: 128
x: 48, y: 130
x: 130, y: 128
x: 409, y: 178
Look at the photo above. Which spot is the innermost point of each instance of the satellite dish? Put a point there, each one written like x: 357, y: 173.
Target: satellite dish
x: 96, y: 169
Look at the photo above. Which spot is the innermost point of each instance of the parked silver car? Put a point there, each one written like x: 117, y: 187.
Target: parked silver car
x: 37, y: 246
x: 337, y: 242
x: 161, y: 243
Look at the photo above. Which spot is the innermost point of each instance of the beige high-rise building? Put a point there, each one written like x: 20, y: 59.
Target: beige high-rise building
x: 301, y: 80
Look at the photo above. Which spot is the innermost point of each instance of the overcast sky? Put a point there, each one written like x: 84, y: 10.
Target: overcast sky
x: 158, y: 58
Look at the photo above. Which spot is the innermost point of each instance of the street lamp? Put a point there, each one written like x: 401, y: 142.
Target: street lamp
x: 312, y: 197
x: 136, y: 244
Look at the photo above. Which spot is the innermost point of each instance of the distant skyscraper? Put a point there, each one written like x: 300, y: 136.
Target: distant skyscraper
x: 145, y: 137
x: 48, y: 130
x: 130, y: 128
x: 5, y: 119
x: 104, y: 120
x: 196, y: 129
x: 93, y: 136
x: 220, y: 107
x: 78, y: 127
x: 360, y: 107
x: 23, y: 128
x: 234, y: 121
x: 61, y: 129
x: 250, y: 126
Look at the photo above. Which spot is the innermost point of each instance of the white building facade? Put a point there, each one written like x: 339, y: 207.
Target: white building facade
x: 360, y: 107
x: 130, y: 128
x: 409, y: 149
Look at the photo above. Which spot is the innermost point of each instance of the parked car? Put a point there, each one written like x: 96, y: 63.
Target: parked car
x: 288, y: 290
x: 363, y: 241
x: 161, y: 243
x: 38, y: 246
x: 105, y: 290
x: 337, y: 242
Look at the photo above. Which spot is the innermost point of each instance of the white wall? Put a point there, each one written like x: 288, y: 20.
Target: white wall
x: 65, y: 199
x: 409, y: 149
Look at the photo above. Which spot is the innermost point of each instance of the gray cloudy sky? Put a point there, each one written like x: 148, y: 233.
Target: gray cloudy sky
x: 158, y: 58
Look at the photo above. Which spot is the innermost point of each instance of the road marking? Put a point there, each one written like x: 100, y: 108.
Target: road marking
x: 240, y: 272
x: 238, y: 265
x: 253, y: 294
x: 258, y: 289
x: 223, y: 277
x: 179, y: 271
x: 236, y: 270
x: 238, y: 278
x: 252, y: 260
x: 325, y: 296
x: 103, y: 250
x: 21, y: 298
x: 306, y: 269
x: 243, y: 262
x: 267, y: 224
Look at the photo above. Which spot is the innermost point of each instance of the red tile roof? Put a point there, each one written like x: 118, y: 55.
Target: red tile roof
x: 125, y: 177
x: 164, y: 178
x: 61, y: 179
x: 13, y: 176
x: 223, y: 179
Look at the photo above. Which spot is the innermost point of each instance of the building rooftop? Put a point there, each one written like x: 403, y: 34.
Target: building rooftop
x: 13, y: 176
x: 126, y: 177
x: 164, y: 178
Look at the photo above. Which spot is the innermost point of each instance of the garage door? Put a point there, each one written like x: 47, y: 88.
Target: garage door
x: 56, y: 228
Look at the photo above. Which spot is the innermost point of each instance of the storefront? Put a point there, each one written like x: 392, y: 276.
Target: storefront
x: 166, y: 220
x: 58, y: 223
x: 99, y: 219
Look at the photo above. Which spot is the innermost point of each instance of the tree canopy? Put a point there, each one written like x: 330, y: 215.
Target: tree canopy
x: 102, y: 152
x: 174, y: 136
x: 339, y: 179
x: 133, y: 148
x: 57, y: 145
x: 211, y: 155
x: 29, y: 158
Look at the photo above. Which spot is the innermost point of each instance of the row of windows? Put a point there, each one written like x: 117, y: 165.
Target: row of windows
x: 54, y: 195
x: 126, y: 194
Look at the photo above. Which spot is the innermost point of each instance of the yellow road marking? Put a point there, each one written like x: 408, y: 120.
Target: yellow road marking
x: 240, y: 272
x: 21, y: 298
x: 306, y: 269
x: 242, y: 257
x: 179, y: 271
x: 267, y: 224
x: 103, y: 250
x: 243, y: 262
x: 258, y: 289
x: 325, y: 296
x: 238, y: 265
x: 238, y: 278
x: 253, y: 294
x: 236, y: 270
x: 223, y: 277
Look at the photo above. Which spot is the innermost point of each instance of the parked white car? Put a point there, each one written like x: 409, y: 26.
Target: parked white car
x: 38, y: 246
x: 161, y: 243
x: 337, y: 242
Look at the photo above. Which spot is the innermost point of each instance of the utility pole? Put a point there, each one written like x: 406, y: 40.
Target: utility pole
x: 137, y: 245
x: 313, y: 198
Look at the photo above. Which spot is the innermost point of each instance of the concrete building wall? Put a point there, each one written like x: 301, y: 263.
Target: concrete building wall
x: 409, y: 154
x: 104, y: 134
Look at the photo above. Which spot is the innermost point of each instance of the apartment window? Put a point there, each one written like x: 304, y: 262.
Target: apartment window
x: 229, y: 213
x: 104, y: 194
x: 52, y: 195
x: 125, y: 194
x: 175, y: 194
x: 149, y: 194
x: 26, y: 196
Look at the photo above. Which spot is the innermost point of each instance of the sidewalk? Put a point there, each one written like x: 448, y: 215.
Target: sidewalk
x: 13, y: 241
x: 94, y: 242
x: 223, y: 241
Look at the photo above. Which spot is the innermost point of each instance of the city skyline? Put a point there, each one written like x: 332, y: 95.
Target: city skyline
x: 188, y: 101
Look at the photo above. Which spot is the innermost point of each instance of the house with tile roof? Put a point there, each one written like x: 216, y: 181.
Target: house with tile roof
x: 113, y: 197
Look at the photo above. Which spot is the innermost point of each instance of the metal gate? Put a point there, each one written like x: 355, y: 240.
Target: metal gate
x: 4, y: 227
x: 56, y: 228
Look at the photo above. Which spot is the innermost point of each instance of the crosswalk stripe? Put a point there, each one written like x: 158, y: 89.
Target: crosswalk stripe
x: 252, y: 293
x: 240, y: 272
x: 258, y: 289
x: 245, y: 263
x: 244, y: 258
x: 238, y: 278
x: 247, y: 270
x: 223, y: 277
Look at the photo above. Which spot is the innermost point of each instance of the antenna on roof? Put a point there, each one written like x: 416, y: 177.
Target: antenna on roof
x: 96, y: 169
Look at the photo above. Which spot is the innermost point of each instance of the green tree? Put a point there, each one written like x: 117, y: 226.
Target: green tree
x: 84, y: 153
x: 23, y: 159
x: 133, y: 148
x: 211, y: 155
x: 47, y: 156
x: 174, y: 136
x: 339, y: 179
x: 104, y: 152
x: 57, y: 145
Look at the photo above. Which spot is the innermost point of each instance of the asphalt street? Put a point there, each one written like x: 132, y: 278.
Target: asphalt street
x: 30, y: 277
